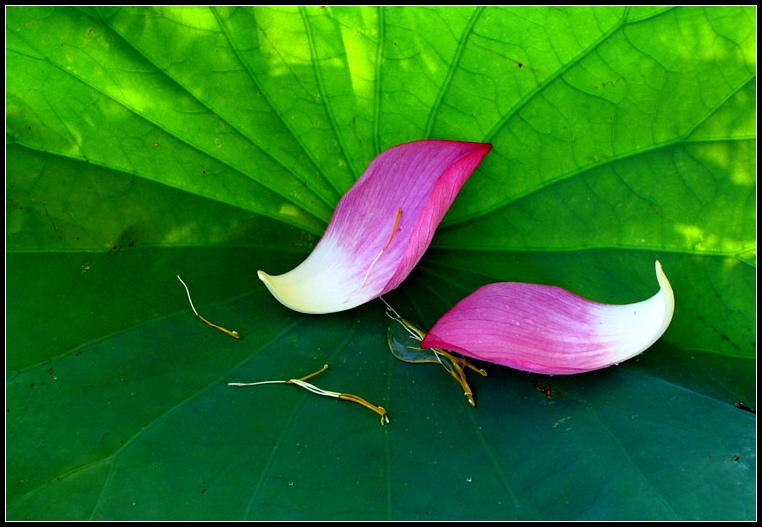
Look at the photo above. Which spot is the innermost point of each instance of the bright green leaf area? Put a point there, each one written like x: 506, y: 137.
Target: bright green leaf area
x: 145, y: 143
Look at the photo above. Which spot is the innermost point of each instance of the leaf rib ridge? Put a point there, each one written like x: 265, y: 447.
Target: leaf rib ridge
x: 259, y: 485
x: 307, y: 152
x: 280, y: 218
x: 178, y: 138
x: 581, y: 170
x: 452, y: 69
x: 730, y: 94
x: 261, y: 149
x: 195, y: 395
x: 324, y: 96
x: 498, y: 469
x: 551, y: 78
x: 377, y: 81
x: 615, y: 438
x: 736, y: 255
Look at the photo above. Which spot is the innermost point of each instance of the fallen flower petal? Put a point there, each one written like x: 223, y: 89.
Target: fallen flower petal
x: 381, y: 227
x: 546, y: 329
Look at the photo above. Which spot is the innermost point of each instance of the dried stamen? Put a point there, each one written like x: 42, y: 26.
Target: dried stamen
x: 233, y: 334
x: 394, y: 231
x: 454, y: 365
x: 314, y: 389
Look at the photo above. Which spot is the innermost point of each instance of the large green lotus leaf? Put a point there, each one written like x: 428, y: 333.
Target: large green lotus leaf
x: 145, y: 143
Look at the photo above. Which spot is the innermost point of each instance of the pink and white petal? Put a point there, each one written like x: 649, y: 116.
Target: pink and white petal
x: 545, y: 329
x: 381, y: 227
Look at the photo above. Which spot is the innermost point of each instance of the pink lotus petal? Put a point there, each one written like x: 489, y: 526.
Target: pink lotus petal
x: 380, y: 228
x: 545, y: 329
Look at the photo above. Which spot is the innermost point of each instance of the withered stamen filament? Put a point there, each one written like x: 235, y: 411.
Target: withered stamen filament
x: 314, y: 389
x: 457, y: 372
x: 233, y: 334
x: 394, y: 232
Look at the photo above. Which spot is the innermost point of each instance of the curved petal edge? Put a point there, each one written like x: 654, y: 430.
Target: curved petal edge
x: 380, y: 228
x: 546, y: 329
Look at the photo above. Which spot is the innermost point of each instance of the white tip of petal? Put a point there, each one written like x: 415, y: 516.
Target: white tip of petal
x: 301, y: 295
x: 667, y: 299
